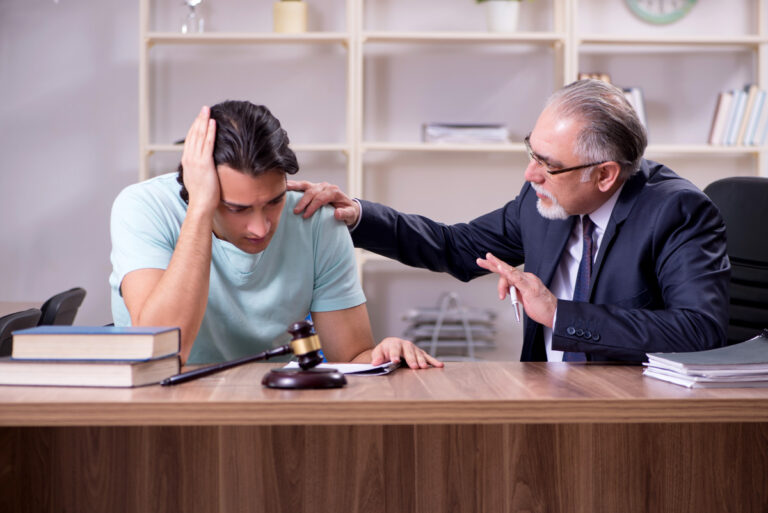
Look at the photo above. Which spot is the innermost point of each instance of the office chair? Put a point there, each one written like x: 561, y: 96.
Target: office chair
x: 61, y: 309
x: 743, y: 202
x: 15, y: 321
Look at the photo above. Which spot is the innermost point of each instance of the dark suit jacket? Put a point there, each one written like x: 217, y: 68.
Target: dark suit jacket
x: 659, y: 281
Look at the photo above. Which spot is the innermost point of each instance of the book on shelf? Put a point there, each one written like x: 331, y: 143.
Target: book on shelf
x: 751, y: 91
x: 722, y: 108
x: 634, y: 96
x: 464, y: 133
x: 738, y: 105
x: 739, y: 365
x: 605, y: 77
x: 750, y: 136
x: 95, y: 342
x: 88, y: 373
x: 761, y: 128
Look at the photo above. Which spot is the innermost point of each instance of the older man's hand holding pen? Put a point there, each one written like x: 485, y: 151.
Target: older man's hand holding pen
x: 539, y: 303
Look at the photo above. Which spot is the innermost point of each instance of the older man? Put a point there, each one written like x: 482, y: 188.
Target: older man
x: 622, y: 256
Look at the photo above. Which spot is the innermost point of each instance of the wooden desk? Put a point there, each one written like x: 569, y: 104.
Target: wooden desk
x: 496, y: 437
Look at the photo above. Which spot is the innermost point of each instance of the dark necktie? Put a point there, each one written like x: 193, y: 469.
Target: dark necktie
x: 581, y: 289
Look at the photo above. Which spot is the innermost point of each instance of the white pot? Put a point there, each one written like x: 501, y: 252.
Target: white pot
x: 502, y: 15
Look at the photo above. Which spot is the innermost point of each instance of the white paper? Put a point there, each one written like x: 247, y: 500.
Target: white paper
x: 355, y: 369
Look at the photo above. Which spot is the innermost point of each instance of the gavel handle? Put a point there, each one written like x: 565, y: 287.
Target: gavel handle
x: 217, y: 367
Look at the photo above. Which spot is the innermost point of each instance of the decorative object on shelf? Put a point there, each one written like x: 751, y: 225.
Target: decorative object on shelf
x: 194, y: 21
x: 501, y: 15
x: 660, y: 12
x: 290, y: 17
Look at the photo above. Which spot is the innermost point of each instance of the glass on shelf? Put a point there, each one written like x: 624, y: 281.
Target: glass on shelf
x: 193, y: 22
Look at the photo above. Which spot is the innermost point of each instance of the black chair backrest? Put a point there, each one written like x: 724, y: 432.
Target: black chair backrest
x: 15, y: 321
x: 61, y: 309
x: 743, y: 202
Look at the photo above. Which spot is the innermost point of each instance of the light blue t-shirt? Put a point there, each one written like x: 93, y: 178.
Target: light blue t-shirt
x: 309, y: 266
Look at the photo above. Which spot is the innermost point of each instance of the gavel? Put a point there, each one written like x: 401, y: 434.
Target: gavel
x: 304, y: 344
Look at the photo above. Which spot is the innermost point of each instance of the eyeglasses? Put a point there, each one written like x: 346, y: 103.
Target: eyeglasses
x: 543, y: 164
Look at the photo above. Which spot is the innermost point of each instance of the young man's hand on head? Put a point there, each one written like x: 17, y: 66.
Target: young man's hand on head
x: 200, y: 177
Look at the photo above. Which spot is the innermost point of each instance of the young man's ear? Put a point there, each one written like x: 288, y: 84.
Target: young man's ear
x: 607, y: 175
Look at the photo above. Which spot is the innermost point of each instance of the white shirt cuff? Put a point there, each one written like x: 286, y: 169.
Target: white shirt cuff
x: 352, y: 228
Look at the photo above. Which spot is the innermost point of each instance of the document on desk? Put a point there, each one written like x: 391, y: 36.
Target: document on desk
x: 355, y: 369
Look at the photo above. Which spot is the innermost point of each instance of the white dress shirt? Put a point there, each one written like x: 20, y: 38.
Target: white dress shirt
x: 564, y: 279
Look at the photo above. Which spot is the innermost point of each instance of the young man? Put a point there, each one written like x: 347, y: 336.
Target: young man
x: 622, y: 256
x: 216, y: 251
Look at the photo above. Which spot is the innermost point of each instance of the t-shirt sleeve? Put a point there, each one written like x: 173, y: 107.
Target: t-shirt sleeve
x: 140, y: 240
x: 336, y: 284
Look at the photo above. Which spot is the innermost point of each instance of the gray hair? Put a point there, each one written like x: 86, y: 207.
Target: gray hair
x: 611, y: 131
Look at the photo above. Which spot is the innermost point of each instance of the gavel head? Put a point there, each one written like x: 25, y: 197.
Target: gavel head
x: 305, y: 344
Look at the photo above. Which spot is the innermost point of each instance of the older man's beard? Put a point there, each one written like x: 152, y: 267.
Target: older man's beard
x: 554, y: 211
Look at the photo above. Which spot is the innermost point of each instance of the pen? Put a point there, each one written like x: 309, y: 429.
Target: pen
x: 515, y: 304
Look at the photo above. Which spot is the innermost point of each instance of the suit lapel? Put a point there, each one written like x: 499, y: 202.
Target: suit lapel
x: 555, y: 239
x: 621, y: 210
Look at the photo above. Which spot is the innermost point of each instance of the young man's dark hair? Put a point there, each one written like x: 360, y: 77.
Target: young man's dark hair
x: 249, y: 139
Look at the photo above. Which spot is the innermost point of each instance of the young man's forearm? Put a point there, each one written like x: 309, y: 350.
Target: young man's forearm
x: 180, y: 297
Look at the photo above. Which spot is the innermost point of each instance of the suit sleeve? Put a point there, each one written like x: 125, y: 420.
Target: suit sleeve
x: 420, y: 242
x: 686, y: 309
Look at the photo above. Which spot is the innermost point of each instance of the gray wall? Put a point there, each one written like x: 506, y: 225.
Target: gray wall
x: 68, y: 125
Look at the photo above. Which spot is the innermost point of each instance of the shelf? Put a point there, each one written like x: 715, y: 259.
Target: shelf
x: 708, y: 41
x: 677, y: 149
x: 461, y: 37
x: 440, y: 147
x: 175, y: 38
x: 702, y: 149
x: 177, y: 148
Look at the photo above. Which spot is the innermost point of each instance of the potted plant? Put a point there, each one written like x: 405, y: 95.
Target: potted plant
x: 501, y: 15
x: 290, y: 16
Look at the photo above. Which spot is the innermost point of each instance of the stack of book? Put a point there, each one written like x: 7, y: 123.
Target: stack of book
x: 450, y: 330
x: 740, y: 118
x: 739, y: 365
x: 98, y: 356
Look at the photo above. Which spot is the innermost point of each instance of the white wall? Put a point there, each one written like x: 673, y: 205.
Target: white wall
x: 68, y: 144
x: 68, y: 122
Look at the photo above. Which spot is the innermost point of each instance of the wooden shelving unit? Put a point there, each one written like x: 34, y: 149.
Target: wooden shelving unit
x: 563, y: 39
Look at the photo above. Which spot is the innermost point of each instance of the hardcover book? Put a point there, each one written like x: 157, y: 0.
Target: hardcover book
x: 87, y: 373
x: 95, y: 342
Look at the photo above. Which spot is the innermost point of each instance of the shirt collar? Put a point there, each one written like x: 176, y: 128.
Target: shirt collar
x: 602, y: 214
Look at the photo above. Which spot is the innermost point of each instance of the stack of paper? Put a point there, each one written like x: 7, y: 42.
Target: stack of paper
x: 464, y: 133
x: 740, y: 365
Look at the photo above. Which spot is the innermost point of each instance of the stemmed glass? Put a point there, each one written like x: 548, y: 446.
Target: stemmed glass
x: 194, y: 21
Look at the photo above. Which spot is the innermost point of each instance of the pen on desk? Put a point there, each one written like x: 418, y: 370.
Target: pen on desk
x: 515, y: 304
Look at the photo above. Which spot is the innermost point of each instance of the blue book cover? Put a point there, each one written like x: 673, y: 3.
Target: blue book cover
x: 95, y: 330
x: 95, y: 342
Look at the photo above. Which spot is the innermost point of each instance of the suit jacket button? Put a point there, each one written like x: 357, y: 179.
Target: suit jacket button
x: 571, y: 330
x: 587, y: 334
x: 596, y: 337
x: 579, y: 333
